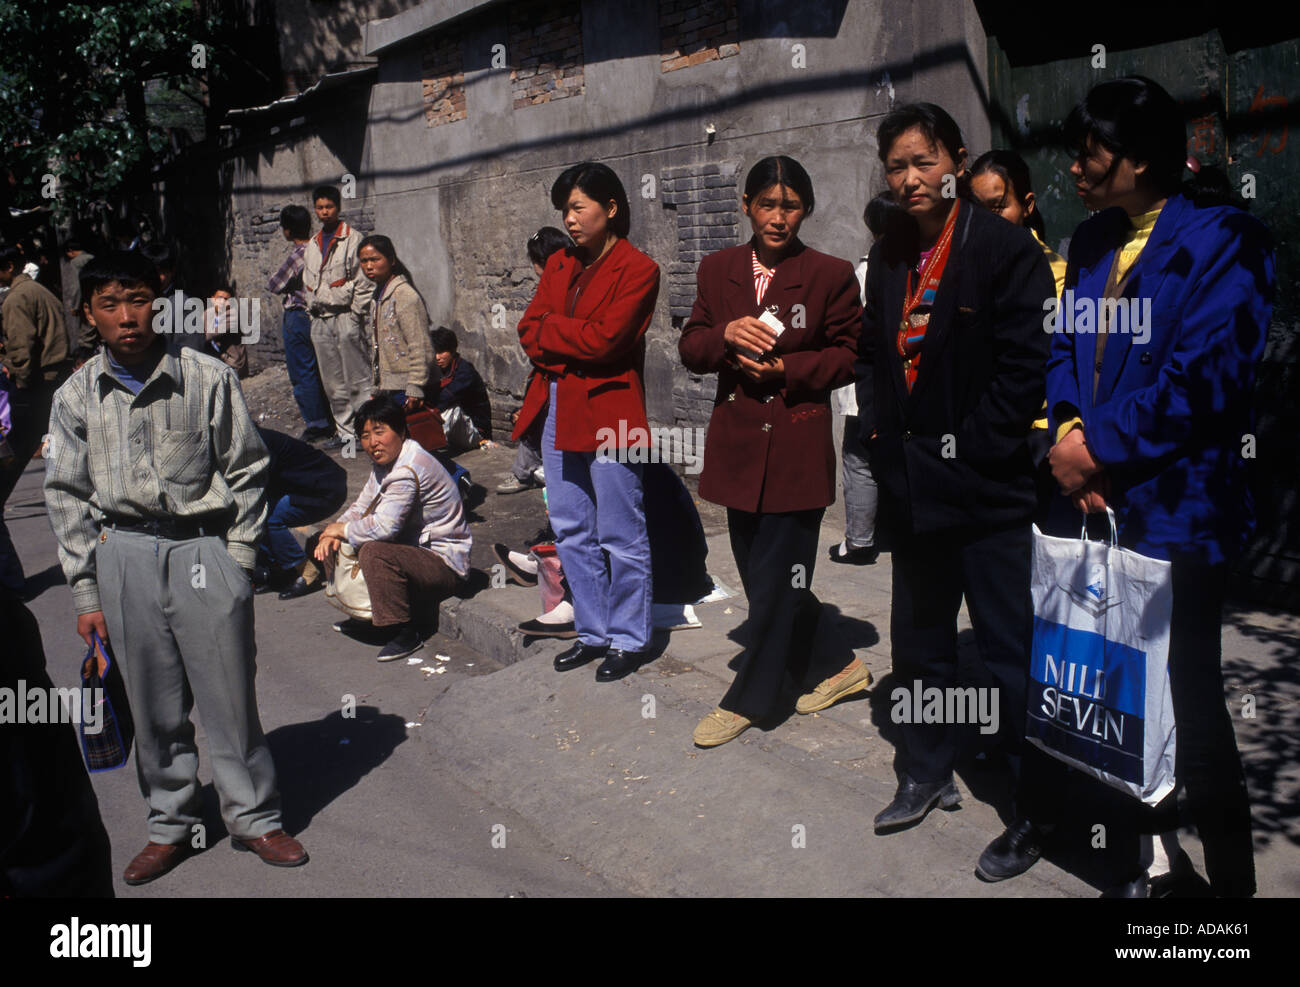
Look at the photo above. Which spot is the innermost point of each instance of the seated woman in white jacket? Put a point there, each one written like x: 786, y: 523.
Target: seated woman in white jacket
x: 408, y: 527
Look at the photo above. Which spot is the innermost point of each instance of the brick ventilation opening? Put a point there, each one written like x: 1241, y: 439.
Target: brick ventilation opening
x: 443, y: 76
x: 545, y: 51
x: 695, y: 31
x: 707, y: 202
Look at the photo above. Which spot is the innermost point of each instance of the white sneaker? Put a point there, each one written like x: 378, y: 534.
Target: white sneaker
x: 539, y: 475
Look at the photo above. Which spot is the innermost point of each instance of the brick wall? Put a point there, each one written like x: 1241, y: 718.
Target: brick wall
x: 695, y: 31
x: 706, y: 200
x: 257, y: 249
x: 707, y: 203
x: 443, y: 77
x: 545, y: 51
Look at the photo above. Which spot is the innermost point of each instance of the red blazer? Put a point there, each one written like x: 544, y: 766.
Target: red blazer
x: 769, y: 446
x: 596, y: 356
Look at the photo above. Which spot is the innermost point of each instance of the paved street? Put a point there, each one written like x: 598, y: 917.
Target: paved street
x: 593, y: 794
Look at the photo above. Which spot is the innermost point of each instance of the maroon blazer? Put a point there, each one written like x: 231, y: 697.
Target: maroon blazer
x: 597, y: 355
x: 769, y: 445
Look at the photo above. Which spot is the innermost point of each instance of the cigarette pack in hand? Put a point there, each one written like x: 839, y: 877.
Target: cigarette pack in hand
x: 769, y: 319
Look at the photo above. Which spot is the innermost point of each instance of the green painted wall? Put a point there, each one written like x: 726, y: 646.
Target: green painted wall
x: 1242, y: 110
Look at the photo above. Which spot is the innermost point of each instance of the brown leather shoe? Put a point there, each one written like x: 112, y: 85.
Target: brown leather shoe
x: 155, y: 860
x: 276, y: 848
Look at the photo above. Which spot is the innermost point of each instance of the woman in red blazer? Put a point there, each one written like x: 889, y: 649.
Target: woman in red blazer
x: 769, y: 458
x: 584, y: 333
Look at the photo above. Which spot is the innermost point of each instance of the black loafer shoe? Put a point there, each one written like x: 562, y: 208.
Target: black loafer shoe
x: 1012, y: 853
x: 300, y: 587
x: 855, y: 556
x: 619, y: 663
x: 914, y: 800
x: 1139, y: 887
x: 579, y: 655
x: 536, y: 628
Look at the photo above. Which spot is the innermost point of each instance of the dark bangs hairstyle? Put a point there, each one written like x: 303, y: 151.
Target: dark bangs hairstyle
x: 780, y: 170
x: 931, y: 119
x: 1133, y: 118
x: 386, y: 250
x: 383, y: 410
x: 330, y: 192
x: 1014, y: 172
x: 130, y: 269
x: 598, y: 182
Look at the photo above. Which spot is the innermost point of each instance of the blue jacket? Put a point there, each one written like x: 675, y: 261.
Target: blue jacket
x: 1173, y: 409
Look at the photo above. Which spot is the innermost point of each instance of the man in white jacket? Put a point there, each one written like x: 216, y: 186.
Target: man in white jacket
x: 338, y: 296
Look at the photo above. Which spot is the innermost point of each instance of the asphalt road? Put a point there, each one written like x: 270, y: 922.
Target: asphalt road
x: 367, y: 795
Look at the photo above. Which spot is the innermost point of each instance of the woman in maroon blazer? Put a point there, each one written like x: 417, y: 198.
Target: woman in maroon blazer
x: 769, y: 458
x: 584, y: 333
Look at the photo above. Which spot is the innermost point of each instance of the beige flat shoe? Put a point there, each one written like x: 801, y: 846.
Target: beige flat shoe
x: 853, y: 679
x: 720, y: 726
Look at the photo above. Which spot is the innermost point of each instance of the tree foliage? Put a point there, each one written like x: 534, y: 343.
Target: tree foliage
x: 72, y: 83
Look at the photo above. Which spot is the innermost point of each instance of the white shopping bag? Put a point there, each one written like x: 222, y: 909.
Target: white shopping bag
x: 1099, y: 696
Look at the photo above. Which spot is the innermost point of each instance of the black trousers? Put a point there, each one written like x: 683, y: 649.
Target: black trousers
x: 1207, y: 765
x: 783, y: 611
x: 991, y: 568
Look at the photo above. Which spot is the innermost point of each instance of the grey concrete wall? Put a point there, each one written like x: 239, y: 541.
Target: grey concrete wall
x: 459, y: 200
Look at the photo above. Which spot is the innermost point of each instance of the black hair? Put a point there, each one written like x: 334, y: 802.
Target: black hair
x: 932, y: 120
x: 882, y: 214
x: 780, y: 170
x: 596, y: 181
x: 72, y: 243
x: 129, y: 268
x: 227, y: 286
x: 545, y: 242
x: 1135, y: 118
x: 383, y: 410
x: 386, y: 249
x: 444, y: 341
x: 330, y: 192
x: 1014, y: 172
x: 297, y: 221
x: 160, y: 254
x: 12, y: 256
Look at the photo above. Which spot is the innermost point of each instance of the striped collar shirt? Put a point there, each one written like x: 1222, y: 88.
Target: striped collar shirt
x: 762, y: 278
x: 183, y: 448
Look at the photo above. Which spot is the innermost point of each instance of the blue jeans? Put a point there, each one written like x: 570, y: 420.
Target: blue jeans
x: 300, y: 361
x: 597, y: 510
x: 279, y: 545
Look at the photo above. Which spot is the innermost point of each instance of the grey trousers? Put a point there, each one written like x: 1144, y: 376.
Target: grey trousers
x: 180, y: 622
x: 343, y: 357
x: 860, y: 494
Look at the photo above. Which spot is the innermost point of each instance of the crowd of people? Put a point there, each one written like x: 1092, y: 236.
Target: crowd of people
x: 966, y: 422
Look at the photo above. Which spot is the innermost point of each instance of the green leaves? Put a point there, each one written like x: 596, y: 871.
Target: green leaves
x: 72, y: 79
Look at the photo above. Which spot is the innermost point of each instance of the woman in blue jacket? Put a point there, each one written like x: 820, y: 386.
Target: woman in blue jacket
x: 1150, y: 408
